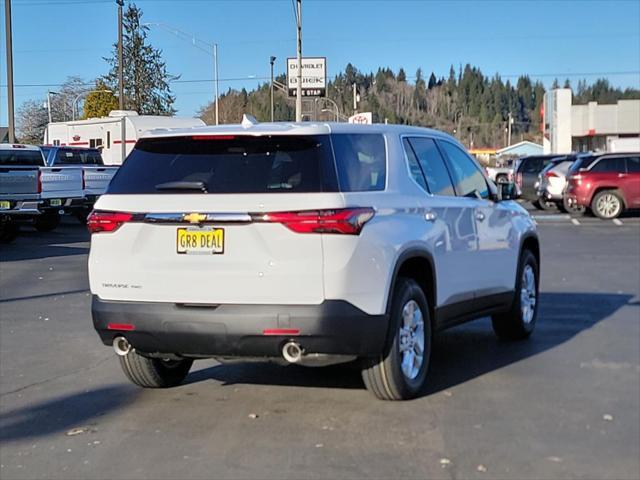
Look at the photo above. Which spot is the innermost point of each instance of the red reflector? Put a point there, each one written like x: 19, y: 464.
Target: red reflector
x: 347, y: 221
x: 213, y: 137
x: 107, y: 221
x: 551, y: 175
x: 281, y: 331
x: 125, y: 327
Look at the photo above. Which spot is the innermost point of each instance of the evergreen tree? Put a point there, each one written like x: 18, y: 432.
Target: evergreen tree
x: 402, y: 76
x: 99, y: 102
x: 146, y: 81
x: 432, y: 81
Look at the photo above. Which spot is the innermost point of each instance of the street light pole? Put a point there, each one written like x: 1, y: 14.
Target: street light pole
x: 120, y: 55
x: 10, y: 106
x: 299, y: 82
x: 272, y: 60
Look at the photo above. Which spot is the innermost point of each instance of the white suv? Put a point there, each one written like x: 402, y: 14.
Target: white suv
x: 308, y: 242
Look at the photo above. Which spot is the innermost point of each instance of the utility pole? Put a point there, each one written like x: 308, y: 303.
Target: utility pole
x: 299, y: 83
x: 215, y: 68
x: 272, y: 60
x: 509, y: 132
x: 123, y: 120
x: 10, y: 106
x: 355, y: 98
x: 120, y: 65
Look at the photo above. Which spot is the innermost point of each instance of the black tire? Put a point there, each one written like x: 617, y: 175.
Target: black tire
x: 47, y: 221
x: 607, y: 204
x: 576, y: 210
x: 82, y: 215
x: 513, y: 325
x: 383, y: 375
x: 546, y: 205
x: 9, y: 230
x: 154, y: 372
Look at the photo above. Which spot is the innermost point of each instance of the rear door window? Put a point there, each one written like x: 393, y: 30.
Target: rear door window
x: 20, y: 156
x: 609, y: 165
x: 633, y: 164
x: 433, y: 166
x: 414, y: 167
x: 469, y: 180
x: 361, y: 161
x: 228, y: 164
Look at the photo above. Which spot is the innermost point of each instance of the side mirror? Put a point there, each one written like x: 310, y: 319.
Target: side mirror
x: 507, y: 191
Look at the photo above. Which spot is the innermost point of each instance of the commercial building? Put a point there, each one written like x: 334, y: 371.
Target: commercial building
x: 592, y: 127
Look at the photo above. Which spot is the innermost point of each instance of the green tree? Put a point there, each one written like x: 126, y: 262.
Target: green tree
x: 99, y: 102
x: 146, y: 81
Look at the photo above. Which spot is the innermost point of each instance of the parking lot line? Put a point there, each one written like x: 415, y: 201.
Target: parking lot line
x: 575, y: 221
x: 617, y: 221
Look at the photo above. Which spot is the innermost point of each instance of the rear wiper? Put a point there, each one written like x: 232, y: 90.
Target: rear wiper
x: 183, y: 186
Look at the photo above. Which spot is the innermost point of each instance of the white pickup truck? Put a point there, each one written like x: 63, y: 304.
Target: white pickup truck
x: 32, y: 191
x: 95, y: 174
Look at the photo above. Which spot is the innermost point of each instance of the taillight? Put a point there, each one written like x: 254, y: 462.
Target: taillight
x: 551, y: 175
x: 107, y: 221
x: 347, y: 221
x: 39, y: 186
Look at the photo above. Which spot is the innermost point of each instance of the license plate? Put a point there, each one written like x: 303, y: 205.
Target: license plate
x: 4, y: 205
x: 200, y: 241
x: 55, y: 202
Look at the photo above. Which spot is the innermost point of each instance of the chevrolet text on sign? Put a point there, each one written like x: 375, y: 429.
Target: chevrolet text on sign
x: 314, y: 76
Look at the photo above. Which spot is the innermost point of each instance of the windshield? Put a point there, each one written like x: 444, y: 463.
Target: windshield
x: 18, y: 156
x: 71, y: 156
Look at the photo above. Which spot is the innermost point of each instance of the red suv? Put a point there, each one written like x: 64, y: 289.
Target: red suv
x: 608, y: 184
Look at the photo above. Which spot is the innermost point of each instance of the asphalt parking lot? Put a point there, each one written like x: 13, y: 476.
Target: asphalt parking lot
x: 565, y: 404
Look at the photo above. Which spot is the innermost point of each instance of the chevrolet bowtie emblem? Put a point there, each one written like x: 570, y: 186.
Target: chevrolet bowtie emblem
x: 195, y: 217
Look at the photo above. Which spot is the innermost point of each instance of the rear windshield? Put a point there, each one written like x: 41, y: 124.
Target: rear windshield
x: 77, y: 157
x: 17, y: 156
x: 253, y: 164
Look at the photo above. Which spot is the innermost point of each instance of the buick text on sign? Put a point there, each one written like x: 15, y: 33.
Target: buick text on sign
x: 314, y: 76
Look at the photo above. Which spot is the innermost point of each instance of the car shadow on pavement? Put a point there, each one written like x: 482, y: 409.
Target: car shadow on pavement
x: 469, y: 351
x: 33, y: 245
x: 59, y: 415
x: 459, y: 354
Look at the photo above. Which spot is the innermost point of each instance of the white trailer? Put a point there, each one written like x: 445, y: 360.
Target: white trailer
x: 109, y: 132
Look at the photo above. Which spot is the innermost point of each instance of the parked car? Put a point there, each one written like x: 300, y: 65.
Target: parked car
x: 32, y: 191
x: 526, y: 173
x: 500, y: 174
x: 95, y: 175
x: 551, y: 183
x: 305, y: 242
x: 608, y: 184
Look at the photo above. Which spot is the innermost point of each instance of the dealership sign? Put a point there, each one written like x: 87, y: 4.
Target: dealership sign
x: 314, y: 76
x: 364, y: 118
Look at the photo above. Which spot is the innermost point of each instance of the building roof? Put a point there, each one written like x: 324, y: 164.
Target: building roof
x: 517, y: 146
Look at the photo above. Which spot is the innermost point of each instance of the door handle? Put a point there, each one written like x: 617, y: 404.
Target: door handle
x: 430, y: 216
x: 480, y: 216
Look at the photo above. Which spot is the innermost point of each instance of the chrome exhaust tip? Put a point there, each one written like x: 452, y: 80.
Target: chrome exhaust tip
x: 121, y: 346
x: 292, y: 352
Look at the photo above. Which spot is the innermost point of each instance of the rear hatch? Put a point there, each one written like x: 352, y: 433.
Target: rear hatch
x: 95, y: 176
x: 19, y: 171
x: 220, y: 219
x: 61, y: 182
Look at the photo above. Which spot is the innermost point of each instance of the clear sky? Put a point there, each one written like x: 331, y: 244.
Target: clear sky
x: 54, y: 39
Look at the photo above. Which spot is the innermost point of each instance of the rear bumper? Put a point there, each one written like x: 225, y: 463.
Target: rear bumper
x: 333, y: 327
